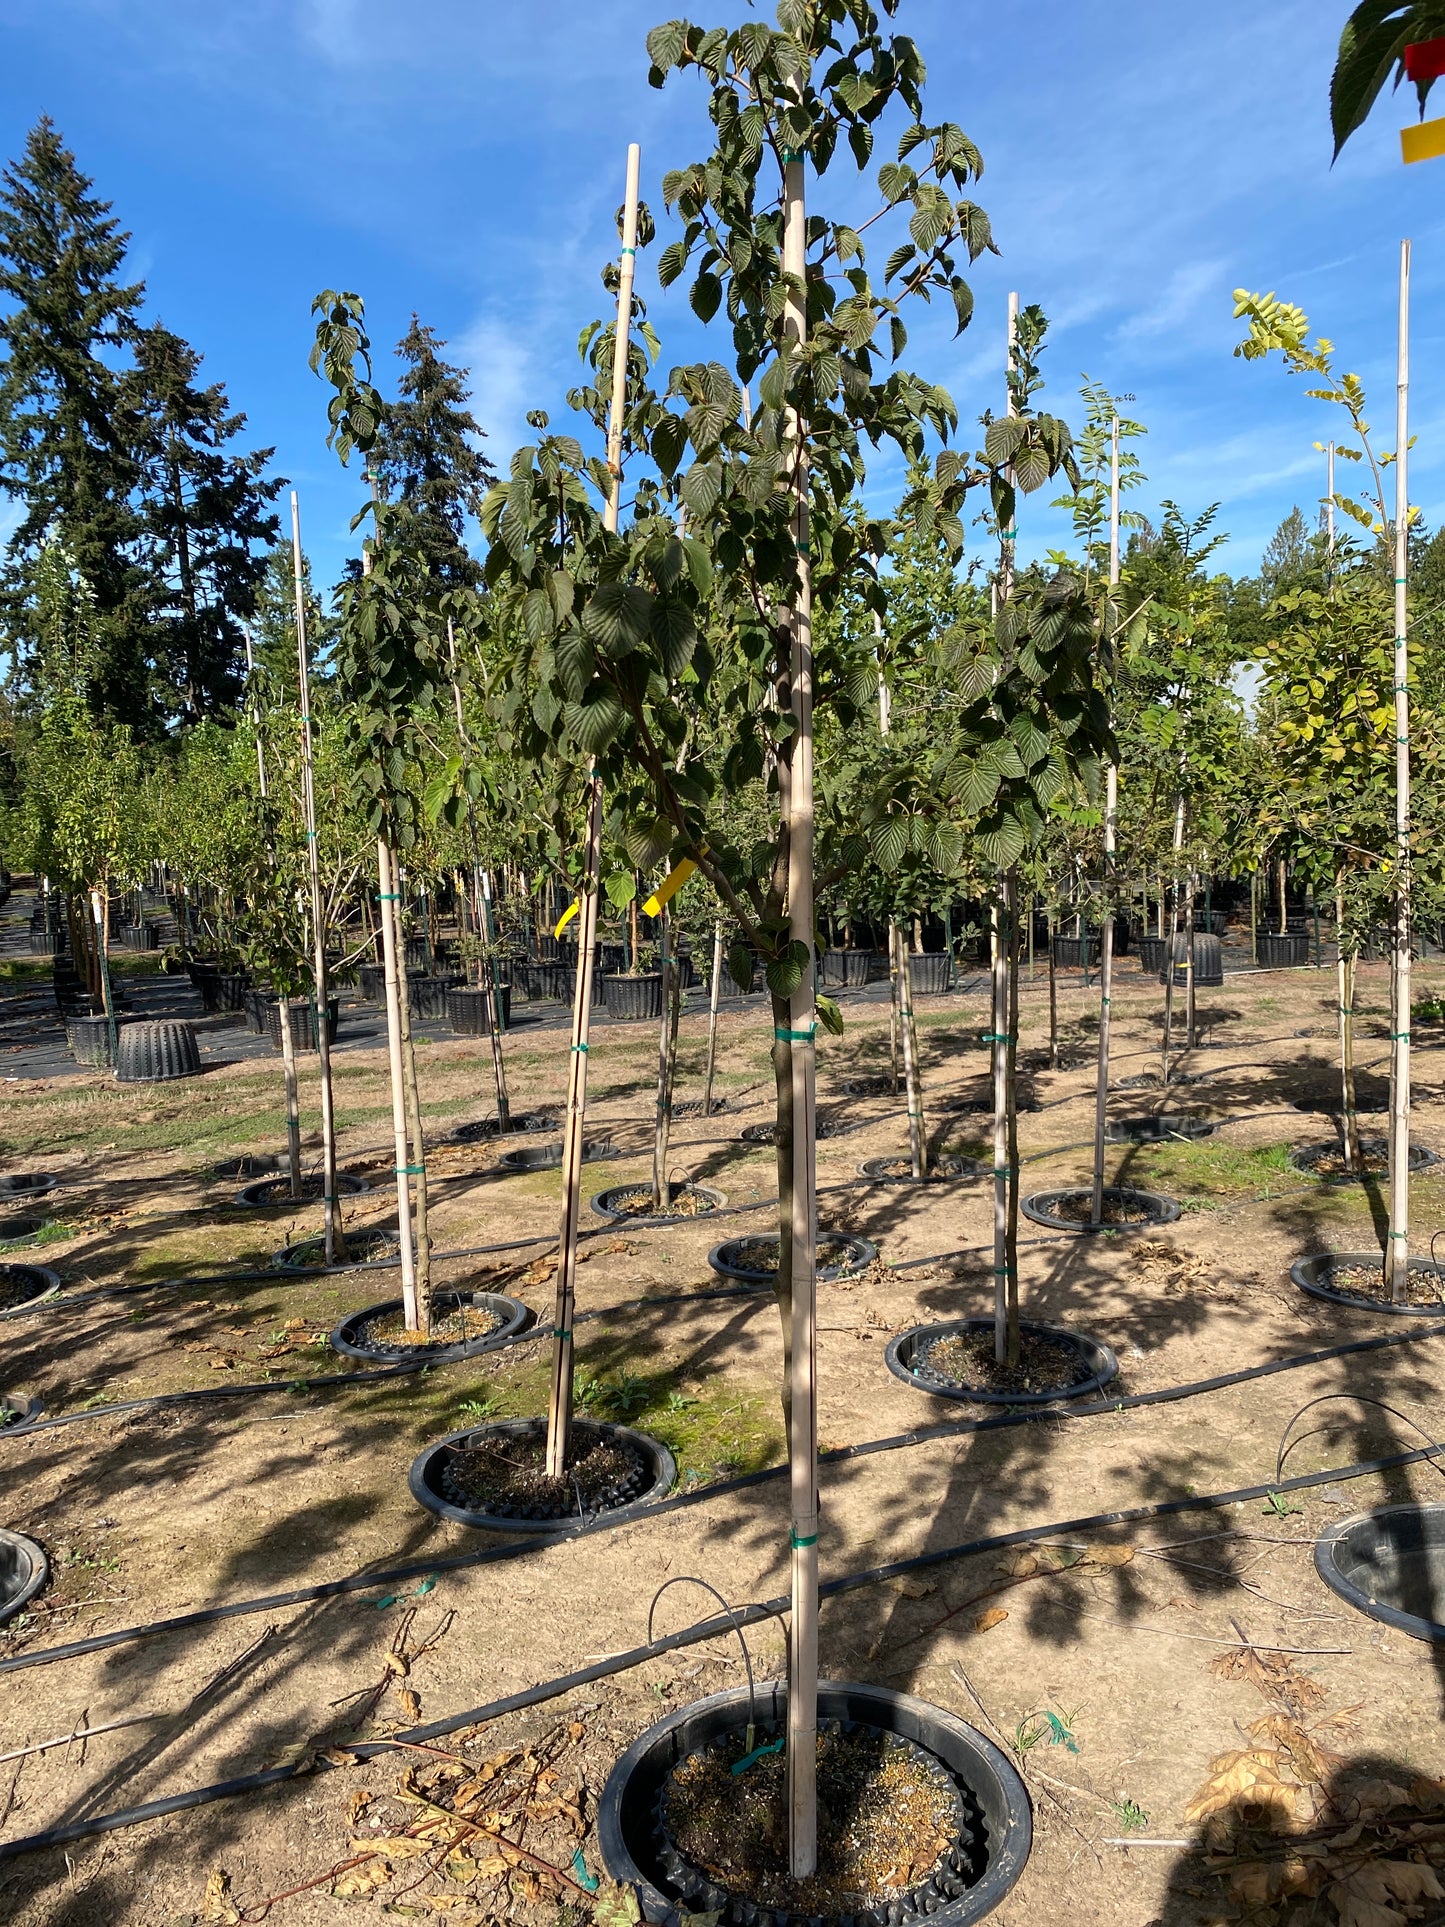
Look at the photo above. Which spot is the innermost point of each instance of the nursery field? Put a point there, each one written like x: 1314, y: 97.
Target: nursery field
x: 205, y: 1466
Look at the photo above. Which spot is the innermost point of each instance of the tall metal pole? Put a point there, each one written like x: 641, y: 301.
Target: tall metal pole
x: 1397, y: 1254
x: 559, y: 1410
x: 1111, y: 813
x: 320, y: 1009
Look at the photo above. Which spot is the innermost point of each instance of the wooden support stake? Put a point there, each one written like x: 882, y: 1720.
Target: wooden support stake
x: 714, y: 992
x: 386, y: 902
x: 1397, y: 1254
x: 1111, y: 827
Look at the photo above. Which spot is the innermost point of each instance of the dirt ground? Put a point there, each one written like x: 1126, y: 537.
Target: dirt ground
x: 1174, y: 1691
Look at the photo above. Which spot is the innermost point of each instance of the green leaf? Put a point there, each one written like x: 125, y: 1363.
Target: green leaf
x: 617, y: 616
x: 705, y: 296
x: 593, y: 722
x: 621, y: 888
x: 701, y: 487
x: 889, y: 840
x: 675, y: 635
x: 740, y: 965
x: 786, y: 973
x: 829, y: 1015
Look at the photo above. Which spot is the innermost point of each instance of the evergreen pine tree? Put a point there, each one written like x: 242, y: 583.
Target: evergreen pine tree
x: 426, y: 456
x: 205, y: 510
x: 67, y: 440
x: 273, y: 628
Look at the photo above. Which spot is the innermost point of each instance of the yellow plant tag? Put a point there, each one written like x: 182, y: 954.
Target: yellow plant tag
x: 1425, y: 141
x: 667, y: 890
x: 566, y: 917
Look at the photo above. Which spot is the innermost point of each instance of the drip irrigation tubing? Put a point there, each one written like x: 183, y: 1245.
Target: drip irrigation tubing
x: 868, y: 1448
x: 715, y: 1627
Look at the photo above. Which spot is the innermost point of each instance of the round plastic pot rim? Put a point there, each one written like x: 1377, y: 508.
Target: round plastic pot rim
x: 1413, y: 1624
x: 1312, y: 1274
x: 967, y: 1753
x: 26, y: 1411
x: 653, y: 1450
x: 39, y: 1572
x: 47, y: 1286
x: 1309, y: 1108
x: 348, y: 1185
x: 717, y: 1201
x: 515, y: 1317
x: 286, y: 1260
x: 861, y: 1253
x: 24, y: 1185
x: 907, y: 1342
x: 519, y: 1124
x: 526, y: 1158
x: 1162, y: 1209
x: 1128, y: 1130
x: 1421, y: 1158
x: 958, y: 1169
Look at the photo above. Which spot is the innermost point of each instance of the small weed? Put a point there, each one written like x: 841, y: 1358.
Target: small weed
x: 92, y: 1561
x: 1057, y: 1730
x: 680, y: 1402
x: 1131, y: 1816
x: 477, y: 1408
x: 1278, y: 1506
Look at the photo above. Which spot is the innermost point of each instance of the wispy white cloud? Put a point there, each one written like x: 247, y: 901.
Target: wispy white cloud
x: 1194, y: 290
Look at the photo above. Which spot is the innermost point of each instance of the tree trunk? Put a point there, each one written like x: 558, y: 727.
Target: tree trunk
x: 418, y: 1145
x: 1169, y: 947
x: 913, y: 1081
x: 895, y: 953
x: 395, y: 995
x: 714, y: 992
x: 1345, y: 975
x: 661, y: 1189
x: 1052, y: 928
x: 1106, y: 985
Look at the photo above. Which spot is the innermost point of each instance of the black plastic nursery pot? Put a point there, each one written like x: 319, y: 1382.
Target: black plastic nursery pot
x: 482, y: 1128
x: 548, y: 1157
x: 1281, y: 953
x: 880, y: 1086
x: 373, y: 1247
x: 898, y: 1169
x: 652, y: 1473
x: 632, y: 999
x: 277, y: 1190
x: 845, y: 968
x: 907, y: 1355
x: 1151, y: 951
x: 544, y: 980
x: 16, y: 1410
x: 1077, y: 953
x: 765, y: 1131
x: 24, y: 1569
x: 1390, y: 1565
x: 632, y: 1203
x: 469, y: 1010
x: 974, y: 1874
x: 1308, y: 1158
x: 26, y: 1184
x: 157, y: 1052
x: 731, y: 1258
x: 730, y: 987
x: 427, y: 996
x: 1331, y: 1107
x: 19, y: 1230
x: 303, y: 1022
x: 1144, y: 1208
x: 26, y: 1285
x: 1208, y: 963
x: 250, y: 1164
x: 355, y: 1336
x: 88, y: 1039
x: 1316, y: 1276
x: 1159, y: 1128
x: 929, y: 972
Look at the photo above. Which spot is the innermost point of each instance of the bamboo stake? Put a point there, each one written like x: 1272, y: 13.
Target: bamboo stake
x: 1345, y: 979
x: 802, y: 1015
x: 998, y: 1044
x: 412, y: 1105
x: 1111, y: 814
x: 912, y: 1079
x: 661, y: 1191
x: 386, y: 897
x: 1397, y: 1255
x: 100, y: 912
x: 1173, y: 934
x: 559, y: 1411
x: 714, y: 993
x: 320, y: 1005
x: 255, y: 724
x: 1011, y: 1131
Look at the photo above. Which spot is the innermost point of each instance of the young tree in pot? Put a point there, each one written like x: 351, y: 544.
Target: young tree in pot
x: 617, y: 617
x: 391, y: 676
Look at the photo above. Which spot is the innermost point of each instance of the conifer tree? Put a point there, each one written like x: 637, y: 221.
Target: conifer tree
x: 67, y: 445
x: 427, y: 459
x: 204, y: 510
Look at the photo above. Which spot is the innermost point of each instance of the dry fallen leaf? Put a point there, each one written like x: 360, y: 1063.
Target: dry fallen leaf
x: 397, y: 1846
x: 576, y: 1731
x: 995, y: 1616
x: 398, y: 1664
x: 912, y: 1588
x: 1369, y: 1798
x: 410, y: 1703
x: 1362, y: 1899
x: 1247, y: 1778
x: 218, y: 1904
x: 360, y: 1800
x: 364, y: 1879
x: 1312, y: 1763
x: 1275, y: 1676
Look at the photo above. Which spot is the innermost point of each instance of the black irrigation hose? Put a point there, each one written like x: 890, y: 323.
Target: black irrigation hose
x: 901, y: 1441
x: 689, y: 1636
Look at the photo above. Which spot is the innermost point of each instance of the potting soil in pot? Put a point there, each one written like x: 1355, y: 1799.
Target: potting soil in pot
x: 19, y: 1284
x: 888, y: 1815
x: 507, y: 1474
x: 1076, y: 1207
x: 1045, y: 1364
x: 636, y: 1201
x: 451, y: 1325
x: 762, y: 1253
x: 1368, y: 1281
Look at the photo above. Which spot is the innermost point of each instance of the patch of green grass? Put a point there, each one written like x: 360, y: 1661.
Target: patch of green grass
x: 1212, y: 1168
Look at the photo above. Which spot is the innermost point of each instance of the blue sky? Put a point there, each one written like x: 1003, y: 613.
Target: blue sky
x: 464, y: 159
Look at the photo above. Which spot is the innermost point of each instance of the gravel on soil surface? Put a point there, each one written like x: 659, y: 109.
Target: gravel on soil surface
x: 449, y: 1327
x: 888, y: 1812
x: 684, y: 1204
x: 762, y: 1253
x: 1368, y: 1281
x: 1045, y: 1364
x: 1078, y: 1208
